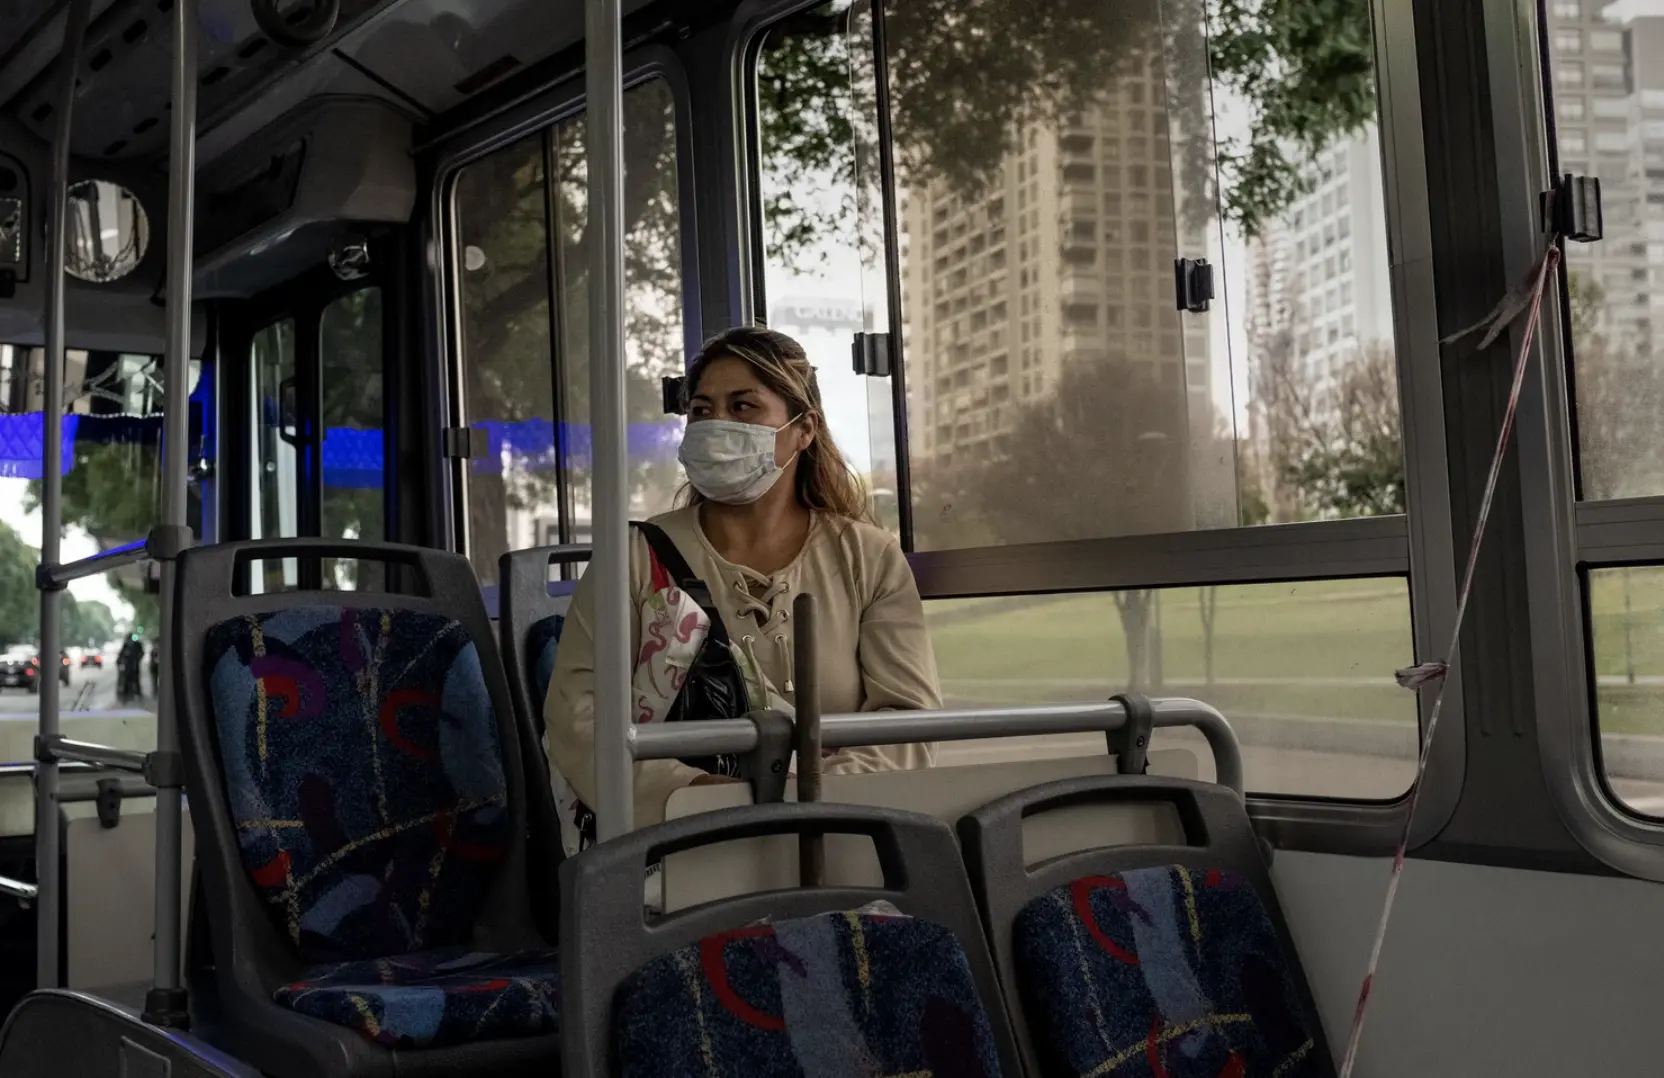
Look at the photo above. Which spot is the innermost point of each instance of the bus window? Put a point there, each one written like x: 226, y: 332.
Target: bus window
x: 275, y: 435
x: 1293, y: 665
x: 506, y: 359
x: 825, y: 267
x: 353, y: 474
x: 1612, y: 129
x: 1045, y: 191
x: 525, y: 375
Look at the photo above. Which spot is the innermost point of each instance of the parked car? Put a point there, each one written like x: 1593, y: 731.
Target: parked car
x: 17, y: 669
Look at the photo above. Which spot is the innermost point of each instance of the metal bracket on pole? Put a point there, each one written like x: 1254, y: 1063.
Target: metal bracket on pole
x: 108, y: 801
x: 767, y: 766
x: 167, y: 541
x: 1130, y: 742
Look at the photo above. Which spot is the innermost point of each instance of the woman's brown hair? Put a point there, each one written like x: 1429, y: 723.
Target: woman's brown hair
x: 825, y: 480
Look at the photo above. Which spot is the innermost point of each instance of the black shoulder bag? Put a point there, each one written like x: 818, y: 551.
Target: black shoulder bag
x: 714, y: 687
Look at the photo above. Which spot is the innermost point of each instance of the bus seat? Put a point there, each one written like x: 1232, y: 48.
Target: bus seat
x: 650, y: 993
x: 1177, y: 953
x: 530, y: 614
x: 360, y: 803
x: 947, y: 793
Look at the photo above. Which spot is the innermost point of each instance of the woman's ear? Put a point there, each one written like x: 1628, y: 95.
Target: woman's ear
x: 808, y: 428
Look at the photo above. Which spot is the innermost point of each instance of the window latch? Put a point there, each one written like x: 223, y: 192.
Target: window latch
x: 1572, y: 208
x: 871, y: 352
x: 465, y: 443
x: 1193, y: 284
x: 671, y: 388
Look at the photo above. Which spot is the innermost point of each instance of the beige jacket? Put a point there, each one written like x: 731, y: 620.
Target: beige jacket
x: 875, y: 653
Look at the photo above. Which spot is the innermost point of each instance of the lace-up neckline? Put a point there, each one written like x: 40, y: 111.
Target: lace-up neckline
x: 768, y: 613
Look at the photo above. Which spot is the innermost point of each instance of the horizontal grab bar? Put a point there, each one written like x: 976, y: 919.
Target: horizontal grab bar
x: 28, y: 768
x: 17, y: 888
x: 98, y: 755
x: 56, y: 576
x: 667, y: 741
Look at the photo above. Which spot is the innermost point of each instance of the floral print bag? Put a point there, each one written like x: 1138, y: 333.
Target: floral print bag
x: 686, y: 669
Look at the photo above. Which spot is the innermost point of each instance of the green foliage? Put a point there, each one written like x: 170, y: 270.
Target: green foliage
x: 87, y: 624
x: 19, y: 601
x: 1350, y: 456
x: 967, y: 75
x: 1306, y: 68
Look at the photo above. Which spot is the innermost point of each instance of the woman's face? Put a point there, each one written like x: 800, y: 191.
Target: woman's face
x: 730, y: 389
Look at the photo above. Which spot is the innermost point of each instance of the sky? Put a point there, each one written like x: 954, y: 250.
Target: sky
x: 76, y: 544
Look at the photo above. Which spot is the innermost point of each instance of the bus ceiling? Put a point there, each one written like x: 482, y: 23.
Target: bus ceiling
x: 303, y: 143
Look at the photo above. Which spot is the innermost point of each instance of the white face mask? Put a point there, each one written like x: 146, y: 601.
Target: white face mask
x: 731, y: 462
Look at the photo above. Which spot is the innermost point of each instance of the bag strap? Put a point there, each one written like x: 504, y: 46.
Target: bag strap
x: 670, y: 558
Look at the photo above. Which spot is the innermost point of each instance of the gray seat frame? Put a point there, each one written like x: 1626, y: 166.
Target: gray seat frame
x: 1218, y: 834
x: 523, y: 600
x: 231, y: 991
x: 607, y: 935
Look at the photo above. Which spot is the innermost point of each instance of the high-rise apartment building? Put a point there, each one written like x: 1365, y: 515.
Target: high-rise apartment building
x: 1319, y: 291
x: 1067, y: 257
x: 1601, y: 74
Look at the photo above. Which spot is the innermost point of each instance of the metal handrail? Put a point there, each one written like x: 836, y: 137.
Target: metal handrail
x: 661, y: 741
x: 18, y: 889
x: 47, y: 836
x: 609, y: 569
x: 105, y: 561
x: 86, y: 752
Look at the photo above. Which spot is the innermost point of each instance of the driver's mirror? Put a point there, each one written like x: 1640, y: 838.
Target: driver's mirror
x: 108, y: 232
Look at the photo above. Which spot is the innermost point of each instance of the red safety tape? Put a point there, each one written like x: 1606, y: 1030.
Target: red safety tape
x: 1426, y: 673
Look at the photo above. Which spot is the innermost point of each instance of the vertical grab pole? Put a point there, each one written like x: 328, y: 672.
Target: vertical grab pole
x: 610, y: 568
x: 165, y: 1004
x: 48, y: 837
x: 811, y: 848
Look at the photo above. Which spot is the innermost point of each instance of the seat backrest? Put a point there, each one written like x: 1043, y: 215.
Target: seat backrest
x: 905, y: 987
x: 531, y: 610
x: 354, y: 761
x: 1174, y: 952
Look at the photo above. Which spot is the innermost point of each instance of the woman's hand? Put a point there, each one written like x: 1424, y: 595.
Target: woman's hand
x: 708, y: 779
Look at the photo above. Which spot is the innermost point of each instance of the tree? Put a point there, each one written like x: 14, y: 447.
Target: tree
x: 1329, y: 450
x: 1113, y: 460
x: 1620, y: 401
x: 1350, y: 461
x: 19, y: 600
x: 88, y: 624
x: 968, y: 75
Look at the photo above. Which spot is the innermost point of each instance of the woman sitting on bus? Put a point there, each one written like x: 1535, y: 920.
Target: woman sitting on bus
x: 771, y: 510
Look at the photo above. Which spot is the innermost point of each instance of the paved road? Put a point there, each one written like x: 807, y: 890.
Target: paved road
x: 89, y: 689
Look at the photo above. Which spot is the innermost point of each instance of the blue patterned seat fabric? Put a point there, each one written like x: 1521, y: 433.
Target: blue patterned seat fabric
x: 435, y: 998
x: 841, y: 994
x: 542, y: 641
x: 1160, y: 973
x: 364, y: 775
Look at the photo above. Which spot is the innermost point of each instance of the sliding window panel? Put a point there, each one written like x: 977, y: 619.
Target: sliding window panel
x: 353, y: 479
x: 507, y: 379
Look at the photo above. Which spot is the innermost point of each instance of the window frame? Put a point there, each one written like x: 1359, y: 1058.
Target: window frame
x: 1418, y: 544
x: 561, y: 101
x: 1565, y: 536
x: 304, y: 300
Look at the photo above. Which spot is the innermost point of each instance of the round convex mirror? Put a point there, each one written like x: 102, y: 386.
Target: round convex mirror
x: 108, y: 233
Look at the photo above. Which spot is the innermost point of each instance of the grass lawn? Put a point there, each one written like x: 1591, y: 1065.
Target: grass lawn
x: 1324, y: 649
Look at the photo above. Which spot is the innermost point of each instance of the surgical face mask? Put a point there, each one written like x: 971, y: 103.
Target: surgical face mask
x: 731, y: 462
